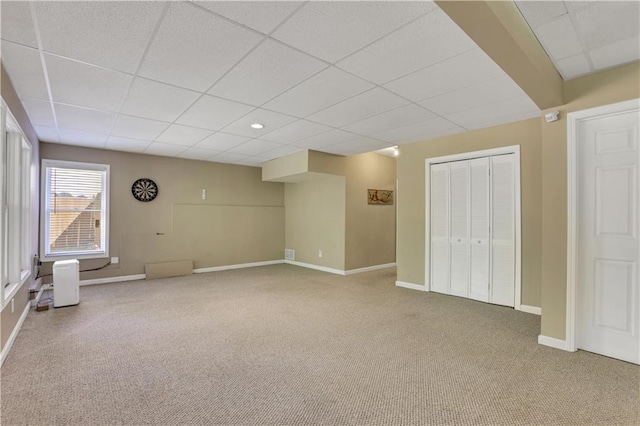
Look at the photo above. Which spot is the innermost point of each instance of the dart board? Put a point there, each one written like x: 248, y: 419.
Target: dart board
x: 144, y: 190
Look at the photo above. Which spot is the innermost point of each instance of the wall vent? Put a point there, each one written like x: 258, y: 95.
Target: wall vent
x: 289, y: 254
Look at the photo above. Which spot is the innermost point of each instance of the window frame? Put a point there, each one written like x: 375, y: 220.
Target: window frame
x: 15, y: 187
x: 44, y: 223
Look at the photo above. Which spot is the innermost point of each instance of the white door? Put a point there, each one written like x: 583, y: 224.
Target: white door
x: 440, y: 228
x: 479, y: 232
x: 608, y: 293
x: 459, y: 225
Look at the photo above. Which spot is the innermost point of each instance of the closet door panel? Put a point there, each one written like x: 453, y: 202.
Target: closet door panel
x: 479, y: 232
x: 459, y: 222
x: 503, y: 230
x: 439, y: 228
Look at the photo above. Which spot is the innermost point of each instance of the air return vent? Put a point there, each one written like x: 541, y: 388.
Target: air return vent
x: 289, y: 254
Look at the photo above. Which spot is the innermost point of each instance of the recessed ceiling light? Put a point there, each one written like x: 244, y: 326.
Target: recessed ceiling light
x: 257, y: 126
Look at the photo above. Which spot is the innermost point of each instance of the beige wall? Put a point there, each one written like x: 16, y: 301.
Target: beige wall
x: 370, y: 229
x: 315, y: 220
x: 603, y: 88
x: 411, y: 197
x: 8, y: 319
x: 241, y: 221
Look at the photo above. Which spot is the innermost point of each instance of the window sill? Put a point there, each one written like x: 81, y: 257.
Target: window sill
x: 79, y: 256
x: 11, y: 290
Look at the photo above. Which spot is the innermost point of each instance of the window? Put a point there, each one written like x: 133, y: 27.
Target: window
x: 15, y: 214
x: 75, y: 210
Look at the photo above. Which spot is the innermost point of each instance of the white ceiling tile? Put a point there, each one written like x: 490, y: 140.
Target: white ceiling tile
x: 221, y: 141
x: 559, y: 38
x: 150, y: 99
x: 25, y: 70
x: 608, y: 22
x: 17, y: 25
x: 327, y: 30
x: 362, y: 106
x: 293, y: 132
x: 164, y: 149
x: 137, y: 128
x: 182, y: 135
x: 198, y: 154
x: 266, y: 72
x: 419, y: 131
x: 46, y: 134
x: 482, y: 114
x: 540, y: 12
x: 255, y: 147
x: 213, y: 113
x: 427, y: 41
x: 356, y: 146
x: 485, y: 93
x: 125, y: 144
x: 504, y: 120
x: 262, y: 16
x: 460, y: 71
x: 271, y: 121
x: 616, y: 54
x: 87, y: 120
x: 85, y: 85
x: 194, y: 48
x: 573, y: 66
x: 391, y: 119
x: 110, y: 34
x: 331, y: 137
x: 86, y: 139
x: 228, y: 157
x: 573, y: 5
x: 39, y: 112
x: 281, y: 151
x: 320, y: 91
x: 252, y: 161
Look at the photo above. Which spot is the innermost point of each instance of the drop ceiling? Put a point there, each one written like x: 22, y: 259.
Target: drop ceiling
x: 187, y: 79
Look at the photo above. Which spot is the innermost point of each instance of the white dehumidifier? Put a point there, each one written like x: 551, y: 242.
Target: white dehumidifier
x: 66, y: 283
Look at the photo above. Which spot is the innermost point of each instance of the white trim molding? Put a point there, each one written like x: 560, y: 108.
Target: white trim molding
x: 237, y: 266
x: 108, y: 280
x: 512, y: 149
x: 573, y: 121
x: 411, y: 286
x: 316, y: 267
x: 369, y: 268
x: 553, y: 343
x: 531, y: 309
x: 14, y: 334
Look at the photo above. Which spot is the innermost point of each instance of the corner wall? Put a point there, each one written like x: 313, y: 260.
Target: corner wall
x: 241, y: 221
x: 411, y: 200
x: 370, y: 229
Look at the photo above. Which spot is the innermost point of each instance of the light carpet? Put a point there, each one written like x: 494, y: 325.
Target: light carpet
x: 283, y: 345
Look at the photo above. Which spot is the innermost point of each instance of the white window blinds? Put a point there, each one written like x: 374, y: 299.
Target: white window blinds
x: 75, y: 210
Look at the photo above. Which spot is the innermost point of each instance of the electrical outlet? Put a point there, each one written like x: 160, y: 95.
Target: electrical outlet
x: 115, y: 260
x: 319, y: 253
x: 12, y: 305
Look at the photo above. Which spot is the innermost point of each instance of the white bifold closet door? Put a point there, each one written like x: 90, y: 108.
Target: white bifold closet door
x: 473, y: 229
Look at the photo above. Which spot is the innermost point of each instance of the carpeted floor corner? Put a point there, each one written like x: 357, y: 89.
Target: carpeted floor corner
x: 283, y: 345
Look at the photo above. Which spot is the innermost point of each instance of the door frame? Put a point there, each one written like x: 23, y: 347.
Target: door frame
x: 513, y: 149
x: 573, y: 121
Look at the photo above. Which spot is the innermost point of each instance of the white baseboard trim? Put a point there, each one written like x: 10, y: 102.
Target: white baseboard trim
x: 113, y: 279
x: 370, y: 268
x: 14, y: 333
x: 553, y: 342
x: 531, y: 309
x: 237, y: 266
x: 411, y: 286
x: 316, y: 267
